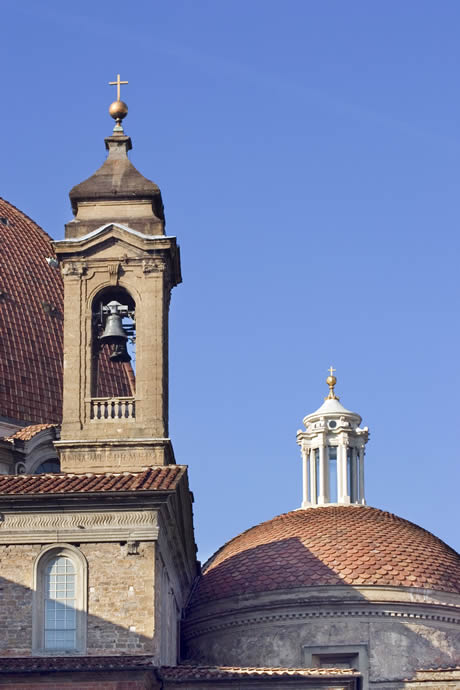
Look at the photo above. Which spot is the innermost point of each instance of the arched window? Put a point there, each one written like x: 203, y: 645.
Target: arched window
x: 51, y: 465
x: 59, y: 623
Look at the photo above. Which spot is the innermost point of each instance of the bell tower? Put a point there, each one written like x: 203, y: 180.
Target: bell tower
x: 333, y: 447
x: 119, y: 268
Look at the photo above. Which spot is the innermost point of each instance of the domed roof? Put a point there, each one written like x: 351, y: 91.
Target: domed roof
x: 331, y: 406
x: 331, y: 545
x: 31, y: 297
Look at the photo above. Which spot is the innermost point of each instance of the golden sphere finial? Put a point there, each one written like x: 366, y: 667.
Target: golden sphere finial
x: 331, y: 381
x: 118, y: 110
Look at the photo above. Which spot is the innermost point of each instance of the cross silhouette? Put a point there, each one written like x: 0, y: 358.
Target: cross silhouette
x: 331, y: 370
x: 117, y: 83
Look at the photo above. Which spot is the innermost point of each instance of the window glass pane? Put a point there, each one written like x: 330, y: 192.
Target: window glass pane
x: 338, y: 661
x: 48, y: 466
x: 332, y: 453
x: 60, y: 613
x: 335, y: 664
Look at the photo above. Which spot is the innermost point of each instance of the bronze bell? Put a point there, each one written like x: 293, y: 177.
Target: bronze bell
x: 114, y: 335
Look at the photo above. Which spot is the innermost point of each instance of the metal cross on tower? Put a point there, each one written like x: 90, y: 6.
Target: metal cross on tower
x: 117, y: 83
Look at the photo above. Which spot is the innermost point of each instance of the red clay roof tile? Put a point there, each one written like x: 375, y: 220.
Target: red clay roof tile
x: 151, y: 479
x: 332, y: 545
x: 183, y: 673
x: 80, y: 663
x: 31, y: 324
x: 28, y: 432
x: 171, y: 673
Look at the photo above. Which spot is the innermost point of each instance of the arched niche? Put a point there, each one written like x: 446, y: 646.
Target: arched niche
x: 113, y: 344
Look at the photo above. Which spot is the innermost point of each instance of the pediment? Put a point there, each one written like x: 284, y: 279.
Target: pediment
x: 113, y: 240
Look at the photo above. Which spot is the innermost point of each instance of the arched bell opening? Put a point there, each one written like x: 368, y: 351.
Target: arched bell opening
x: 113, y: 380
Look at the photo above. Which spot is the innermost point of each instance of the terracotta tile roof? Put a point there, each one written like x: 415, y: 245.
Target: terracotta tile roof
x: 439, y: 669
x: 31, y: 321
x: 28, y: 432
x: 75, y: 663
x: 151, y: 479
x: 171, y: 673
x: 333, y: 545
x: 186, y: 673
x: 31, y: 324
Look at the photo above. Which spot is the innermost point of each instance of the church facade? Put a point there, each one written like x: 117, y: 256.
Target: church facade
x: 100, y: 586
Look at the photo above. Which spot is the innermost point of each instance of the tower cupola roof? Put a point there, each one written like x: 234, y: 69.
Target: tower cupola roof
x: 117, y: 178
x: 331, y: 406
x: 117, y: 192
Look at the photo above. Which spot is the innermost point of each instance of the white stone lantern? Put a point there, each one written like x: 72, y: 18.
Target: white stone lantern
x: 333, y: 449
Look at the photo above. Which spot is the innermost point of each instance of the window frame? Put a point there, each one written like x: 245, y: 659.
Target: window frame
x: 80, y: 564
x: 312, y: 657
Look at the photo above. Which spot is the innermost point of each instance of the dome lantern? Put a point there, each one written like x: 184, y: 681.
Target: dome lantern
x: 333, y: 448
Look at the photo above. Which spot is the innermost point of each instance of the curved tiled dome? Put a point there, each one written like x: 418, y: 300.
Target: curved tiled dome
x: 331, y: 545
x: 31, y: 295
x: 31, y: 326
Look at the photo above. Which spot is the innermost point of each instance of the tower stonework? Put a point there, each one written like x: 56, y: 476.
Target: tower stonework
x: 98, y: 559
x: 116, y: 251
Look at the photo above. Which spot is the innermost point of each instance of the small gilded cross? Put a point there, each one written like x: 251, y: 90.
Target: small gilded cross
x: 117, y: 83
x: 331, y: 370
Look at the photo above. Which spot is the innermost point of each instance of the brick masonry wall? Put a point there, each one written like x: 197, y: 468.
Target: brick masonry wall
x: 120, y: 598
x: 16, y: 582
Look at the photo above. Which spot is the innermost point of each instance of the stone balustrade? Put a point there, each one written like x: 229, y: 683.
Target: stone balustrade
x: 105, y: 409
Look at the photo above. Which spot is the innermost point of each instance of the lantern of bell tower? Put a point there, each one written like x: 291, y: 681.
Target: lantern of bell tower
x: 333, y: 450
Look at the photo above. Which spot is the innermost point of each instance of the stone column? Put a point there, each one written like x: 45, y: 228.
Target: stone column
x: 322, y: 498
x: 340, y: 488
x: 343, y: 493
x: 313, y: 496
x: 354, y: 476
x: 346, y: 488
x: 361, y: 476
x: 305, y: 454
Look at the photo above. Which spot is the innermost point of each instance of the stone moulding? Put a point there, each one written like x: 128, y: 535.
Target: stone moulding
x: 194, y: 630
x: 101, y: 526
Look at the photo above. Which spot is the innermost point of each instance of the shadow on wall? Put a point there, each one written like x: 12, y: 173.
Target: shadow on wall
x: 22, y: 623
x: 258, y: 607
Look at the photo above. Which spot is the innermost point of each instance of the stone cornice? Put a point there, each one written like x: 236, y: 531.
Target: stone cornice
x: 197, y: 629
x: 83, y: 501
x: 43, y: 528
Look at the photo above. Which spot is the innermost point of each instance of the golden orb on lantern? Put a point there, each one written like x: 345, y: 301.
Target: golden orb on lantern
x: 118, y: 110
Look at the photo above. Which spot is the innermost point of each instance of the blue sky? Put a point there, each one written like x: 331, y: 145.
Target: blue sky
x: 308, y: 156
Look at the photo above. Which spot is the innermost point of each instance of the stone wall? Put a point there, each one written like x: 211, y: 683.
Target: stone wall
x: 120, y: 598
x: 389, y: 649
x: 392, y: 639
x: 16, y: 582
x: 120, y: 616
